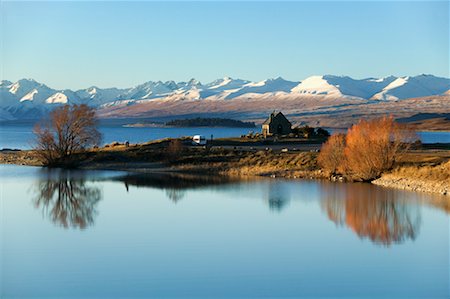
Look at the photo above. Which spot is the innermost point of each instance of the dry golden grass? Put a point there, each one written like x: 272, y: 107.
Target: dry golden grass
x: 440, y: 172
x: 423, y: 157
x: 265, y: 163
x: 423, y: 178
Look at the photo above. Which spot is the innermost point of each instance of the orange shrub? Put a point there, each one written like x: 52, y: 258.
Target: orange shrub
x: 332, y: 153
x: 372, y: 147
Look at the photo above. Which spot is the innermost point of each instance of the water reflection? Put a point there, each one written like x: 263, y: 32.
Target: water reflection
x: 382, y: 215
x: 67, y: 201
x: 277, y: 196
x: 175, y: 185
x: 175, y: 195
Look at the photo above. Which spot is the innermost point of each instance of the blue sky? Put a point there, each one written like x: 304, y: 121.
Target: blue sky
x: 79, y: 44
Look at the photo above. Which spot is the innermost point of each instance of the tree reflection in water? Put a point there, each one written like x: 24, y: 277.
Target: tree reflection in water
x: 175, y: 195
x: 68, y: 202
x: 372, y: 212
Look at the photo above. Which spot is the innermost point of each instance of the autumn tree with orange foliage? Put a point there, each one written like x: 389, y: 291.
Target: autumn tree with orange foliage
x: 70, y: 129
x: 332, y: 153
x: 370, y: 148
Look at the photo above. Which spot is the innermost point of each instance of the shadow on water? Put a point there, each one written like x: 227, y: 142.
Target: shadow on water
x: 382, y: 215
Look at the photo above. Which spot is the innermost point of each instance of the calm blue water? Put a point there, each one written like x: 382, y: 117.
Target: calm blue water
x: 21, y: 136
x: 112, y: 235
x: 433, y: 137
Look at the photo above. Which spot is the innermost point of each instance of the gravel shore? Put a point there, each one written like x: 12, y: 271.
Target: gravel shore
x: 394, y: 181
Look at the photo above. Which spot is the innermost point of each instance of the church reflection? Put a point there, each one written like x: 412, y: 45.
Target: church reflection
x: 277, y: 196
x: 380, y: 215
x: 66, y: 201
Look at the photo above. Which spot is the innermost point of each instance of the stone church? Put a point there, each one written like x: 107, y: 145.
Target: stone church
x: 276, y: 124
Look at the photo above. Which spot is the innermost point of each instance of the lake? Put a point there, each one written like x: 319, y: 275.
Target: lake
x: 21, y: 136
x: 75, y: 234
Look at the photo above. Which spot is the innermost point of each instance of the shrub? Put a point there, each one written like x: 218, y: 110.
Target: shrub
x: 332, y: 153
x: 305, y: 131
x: 372, y: 147
x: 369, y: 148
x: 322, y: 132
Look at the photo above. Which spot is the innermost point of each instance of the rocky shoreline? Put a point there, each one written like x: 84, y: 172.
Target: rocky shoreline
x: 433, y: 178
x: 411, y: 184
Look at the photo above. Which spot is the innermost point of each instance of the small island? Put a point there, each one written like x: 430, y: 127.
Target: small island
x: 210, y: 122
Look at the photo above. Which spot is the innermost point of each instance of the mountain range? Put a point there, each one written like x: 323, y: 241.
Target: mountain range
x: 29, y: 99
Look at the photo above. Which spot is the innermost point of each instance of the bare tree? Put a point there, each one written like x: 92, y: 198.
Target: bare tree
x: 70, y: 129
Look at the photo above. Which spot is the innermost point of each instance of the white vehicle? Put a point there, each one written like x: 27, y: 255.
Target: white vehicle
x: 199, y: 140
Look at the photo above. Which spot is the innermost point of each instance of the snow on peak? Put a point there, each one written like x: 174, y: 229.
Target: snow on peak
x: 219, y: 83
x: 225, y: 84
x: 57, y: 98
x: 14, y: 88
x: 194, y: 81
x: 256, y: 84
x: 342, y: 86
x: 410, y: 87
x: 264, y: 86
x: 92, y: 91
x: 24, y: 86
x: 397, y: 83
x: 29, y: 96
x: 383, y: 79
x: 316, y: 85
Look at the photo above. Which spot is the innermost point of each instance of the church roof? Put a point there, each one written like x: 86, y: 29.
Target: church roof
x: 272, y: 116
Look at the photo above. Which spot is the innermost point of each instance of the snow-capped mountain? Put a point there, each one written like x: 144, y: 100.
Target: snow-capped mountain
x: 98, y: 96
x: 148, y: 90
x: 342, y: 86
x: 29, y: 98
x: 226, y: 83
x: 412, y: 87
x: 265, y: 86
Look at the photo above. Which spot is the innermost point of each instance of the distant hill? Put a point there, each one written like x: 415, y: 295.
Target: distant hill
x: 424, y: 116
x: 428, y: 121
x: 210, y: 122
